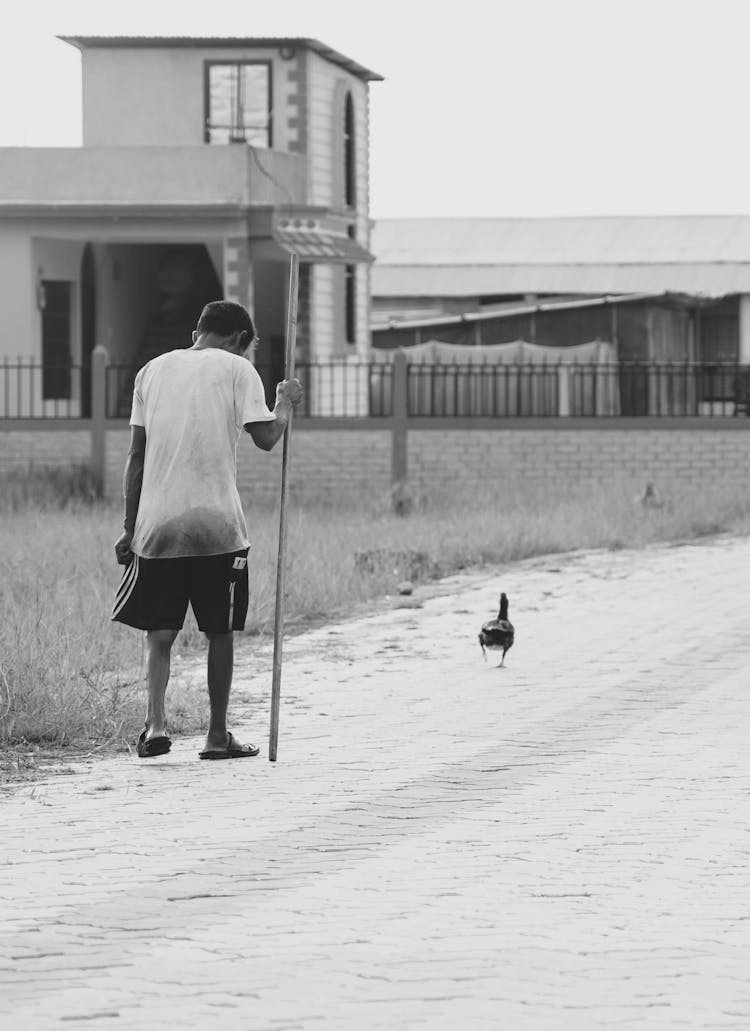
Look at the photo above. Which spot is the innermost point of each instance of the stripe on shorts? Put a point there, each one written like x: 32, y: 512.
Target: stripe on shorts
x: 231, y: 603
x: 127, y: 579
x: 126, y: 587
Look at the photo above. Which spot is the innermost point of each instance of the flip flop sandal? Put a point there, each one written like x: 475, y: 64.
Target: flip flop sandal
x: 154, y: 746
x: 232, y: 751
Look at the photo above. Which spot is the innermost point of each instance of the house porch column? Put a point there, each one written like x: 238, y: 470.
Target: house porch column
x: 743, y: 355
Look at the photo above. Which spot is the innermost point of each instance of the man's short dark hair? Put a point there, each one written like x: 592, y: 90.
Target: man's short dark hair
x: 225, y: 318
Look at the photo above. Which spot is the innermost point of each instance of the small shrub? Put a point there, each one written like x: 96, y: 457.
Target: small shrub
x: 41, y: 486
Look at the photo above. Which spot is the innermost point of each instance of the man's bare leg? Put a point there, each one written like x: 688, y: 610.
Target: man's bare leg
x: 219, y: 743
x: 220, y: 669
x: 158, y: 651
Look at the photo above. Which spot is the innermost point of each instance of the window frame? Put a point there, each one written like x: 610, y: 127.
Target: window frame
x: 350, y: 151
x: 350, y: 305
x: 57, y: 370
x: 210, y: 63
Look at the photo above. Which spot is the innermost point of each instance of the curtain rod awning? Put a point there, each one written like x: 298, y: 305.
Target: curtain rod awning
x: 311, y: 246
x: 318, y: 245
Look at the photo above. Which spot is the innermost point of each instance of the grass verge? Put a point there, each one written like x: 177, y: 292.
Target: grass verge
x: 71, y: 678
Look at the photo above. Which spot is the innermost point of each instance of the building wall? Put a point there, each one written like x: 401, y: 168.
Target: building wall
x: 25, y: 262
x: 645, y: 331
x: 295, y: 78
x: 155, y: 96
x: 153, y: 99
x: 327, y: 87
x: 126, y: 285
x: 362, y: 222
x: 325, y: 302
x: 322, y: 152
x: 350, y: 465
x: 22, y: 333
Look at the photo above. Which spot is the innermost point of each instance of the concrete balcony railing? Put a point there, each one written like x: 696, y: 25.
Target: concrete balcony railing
x: 201, y: 175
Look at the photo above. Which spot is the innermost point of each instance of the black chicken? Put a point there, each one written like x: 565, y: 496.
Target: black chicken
x: 498, y: 634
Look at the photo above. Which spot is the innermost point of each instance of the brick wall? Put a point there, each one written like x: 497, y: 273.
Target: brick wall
x: 695, y: 455
x: 344, y: 464
x: 20, y: 448
x: 339, y: 464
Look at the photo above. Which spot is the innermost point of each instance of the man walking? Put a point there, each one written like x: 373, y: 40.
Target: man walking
x: 185, y: 539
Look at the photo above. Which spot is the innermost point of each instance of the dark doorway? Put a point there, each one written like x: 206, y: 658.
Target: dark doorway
x: 88, y: 326
x: 186, y: 281
x: 56, y: 371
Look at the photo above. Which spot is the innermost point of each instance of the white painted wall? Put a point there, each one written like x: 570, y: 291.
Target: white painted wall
x: 24, y: 262
x: 323, y: 79
x: 21, y: 335
x: 326, y: 87
x: 363, y: 343
x: 58, y: 259
x: 323, y: 306
x: 145, y: 175
x: 155, y: 95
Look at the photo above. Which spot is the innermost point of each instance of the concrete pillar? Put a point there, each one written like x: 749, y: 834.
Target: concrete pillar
x: 743, y: 356
x: 564, y: 373
x: 99, y: 362
x: 399, y: 420
x: 238, y: 272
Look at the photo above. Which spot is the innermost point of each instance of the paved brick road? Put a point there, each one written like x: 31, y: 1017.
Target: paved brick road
x: 561, y: 844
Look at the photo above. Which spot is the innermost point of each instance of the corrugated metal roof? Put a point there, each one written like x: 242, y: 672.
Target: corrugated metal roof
x: 510, y: 311
x: 702, y: 280
x: 641, y: 239
x: 84, y: 42
x: 700, y: 254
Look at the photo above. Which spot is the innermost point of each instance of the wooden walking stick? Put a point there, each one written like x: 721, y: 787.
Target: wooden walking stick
x: 278, y: 625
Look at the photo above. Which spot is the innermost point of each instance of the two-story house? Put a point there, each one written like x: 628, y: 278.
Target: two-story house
x: 205, y: 162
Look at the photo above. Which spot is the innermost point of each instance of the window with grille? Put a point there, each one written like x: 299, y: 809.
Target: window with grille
x: 350, y: 168
x: 56, y: 359
x: 238, y: 102
x: 350, y: 304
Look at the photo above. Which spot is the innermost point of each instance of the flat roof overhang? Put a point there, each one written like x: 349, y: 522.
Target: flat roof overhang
x: 315, y: 234
x: 150, y: 177
x: 289, y: 43
x: 120, y: 212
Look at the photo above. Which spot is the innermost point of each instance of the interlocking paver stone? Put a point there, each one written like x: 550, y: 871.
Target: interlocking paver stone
x: 563, y: 843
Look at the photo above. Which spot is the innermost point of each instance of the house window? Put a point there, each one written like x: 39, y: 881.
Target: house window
x: 719, y: 331
x: 56, y: 360
x: 350, y: 303
x: 238, y: 102
x: 350, y: 188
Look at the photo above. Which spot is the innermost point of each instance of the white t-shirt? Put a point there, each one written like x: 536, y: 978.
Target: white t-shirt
x: 193, y: 405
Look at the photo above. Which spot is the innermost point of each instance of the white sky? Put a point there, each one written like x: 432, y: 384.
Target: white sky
x: 490, y: 107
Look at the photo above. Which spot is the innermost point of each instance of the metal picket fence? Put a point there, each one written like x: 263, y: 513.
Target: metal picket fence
x: 365, y: 389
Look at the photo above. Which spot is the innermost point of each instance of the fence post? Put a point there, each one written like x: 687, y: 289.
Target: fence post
x: 99, y: 361
x: 400, y: 415
x: 563, y: 389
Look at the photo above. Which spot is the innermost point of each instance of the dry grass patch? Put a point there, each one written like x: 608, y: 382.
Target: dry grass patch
x: 70, y: 677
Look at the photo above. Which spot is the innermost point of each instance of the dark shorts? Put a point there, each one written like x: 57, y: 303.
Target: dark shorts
x: 155, y: 592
